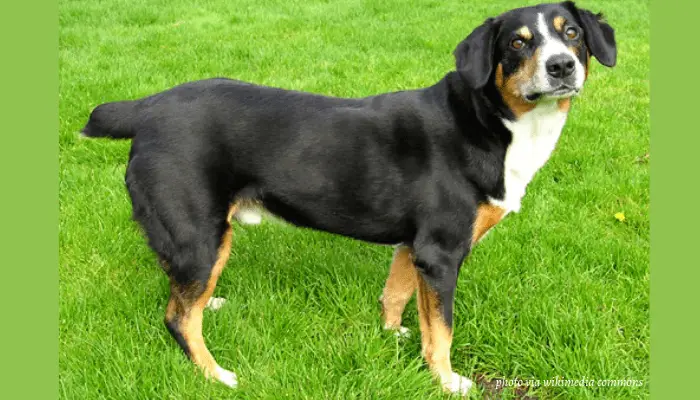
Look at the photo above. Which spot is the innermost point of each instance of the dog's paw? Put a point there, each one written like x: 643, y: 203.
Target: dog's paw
x: 226, y: 377
x: 401, y: 332
x: 457, y: 384
x: 215, y: 303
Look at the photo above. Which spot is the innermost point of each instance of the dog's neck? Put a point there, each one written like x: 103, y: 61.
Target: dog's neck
x: 534, y: 137
x: 495, y: 139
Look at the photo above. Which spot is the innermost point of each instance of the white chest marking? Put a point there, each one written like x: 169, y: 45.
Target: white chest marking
x: 535, y: 134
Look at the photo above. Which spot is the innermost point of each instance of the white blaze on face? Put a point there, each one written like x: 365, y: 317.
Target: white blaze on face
x: 535, y: 133
x: 549, y: 47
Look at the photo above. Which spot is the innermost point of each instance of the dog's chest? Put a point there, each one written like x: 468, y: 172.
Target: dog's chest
x: 535, y: 135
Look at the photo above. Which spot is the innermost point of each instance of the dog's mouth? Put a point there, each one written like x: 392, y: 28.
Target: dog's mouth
x: 562, y: 92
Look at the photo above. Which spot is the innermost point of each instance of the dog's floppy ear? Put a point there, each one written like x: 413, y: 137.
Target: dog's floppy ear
x: 600, y: 37
x: 474, y: 55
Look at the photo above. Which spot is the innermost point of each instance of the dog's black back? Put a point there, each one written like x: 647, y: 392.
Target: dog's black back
x: 368, y: 168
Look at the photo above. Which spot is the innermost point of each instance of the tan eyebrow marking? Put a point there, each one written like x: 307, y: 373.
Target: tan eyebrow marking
x: 524, y: 32
x: 559, y: 23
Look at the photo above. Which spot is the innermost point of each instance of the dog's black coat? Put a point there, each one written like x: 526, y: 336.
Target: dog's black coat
x: 407, y: 167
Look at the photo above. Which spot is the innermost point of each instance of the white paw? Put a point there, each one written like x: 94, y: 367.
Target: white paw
x: 401, y: 332
x: 215, y: 303
x: 226, y: 377
x: 248, y: 217
x: 458, y: 385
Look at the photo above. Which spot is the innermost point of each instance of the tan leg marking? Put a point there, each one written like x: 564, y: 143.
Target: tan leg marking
x: 186, y: 305
x: 400, y: 286
x: 436, y: 337
x: 487, y: 216
x: 436, y: 341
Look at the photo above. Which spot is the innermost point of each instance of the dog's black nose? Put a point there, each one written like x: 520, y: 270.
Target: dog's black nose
x: 560, y: 65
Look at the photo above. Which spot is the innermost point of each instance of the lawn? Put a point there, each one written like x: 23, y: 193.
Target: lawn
x: 559, y: 289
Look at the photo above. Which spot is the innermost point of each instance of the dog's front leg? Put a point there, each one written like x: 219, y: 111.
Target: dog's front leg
x: 438, y: 268
x: 400, y: 285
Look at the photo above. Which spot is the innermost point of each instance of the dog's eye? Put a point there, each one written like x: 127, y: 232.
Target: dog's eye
x: 571, y: 33
x: 517, y: 44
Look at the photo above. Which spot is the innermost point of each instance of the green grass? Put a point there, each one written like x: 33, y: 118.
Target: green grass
x: 560, y: 289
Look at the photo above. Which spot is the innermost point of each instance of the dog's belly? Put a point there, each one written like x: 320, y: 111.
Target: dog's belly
x: 389, y: 226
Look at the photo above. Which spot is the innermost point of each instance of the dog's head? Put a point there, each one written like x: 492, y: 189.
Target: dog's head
x: 537, y: 53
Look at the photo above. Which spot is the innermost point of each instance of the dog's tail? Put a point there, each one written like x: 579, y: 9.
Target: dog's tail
x: 112, y: 120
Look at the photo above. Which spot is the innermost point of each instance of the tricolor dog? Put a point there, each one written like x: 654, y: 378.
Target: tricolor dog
x: 428, y: 170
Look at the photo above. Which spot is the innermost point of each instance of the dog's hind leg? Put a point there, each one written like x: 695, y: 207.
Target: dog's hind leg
x: 185, y: 220
x: 398, y: 290
x: 184, y: 312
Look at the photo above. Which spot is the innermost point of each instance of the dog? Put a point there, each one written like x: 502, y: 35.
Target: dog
x: 429, y: 171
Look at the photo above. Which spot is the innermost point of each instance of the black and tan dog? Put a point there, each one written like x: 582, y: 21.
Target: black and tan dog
x: 428, y: 170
